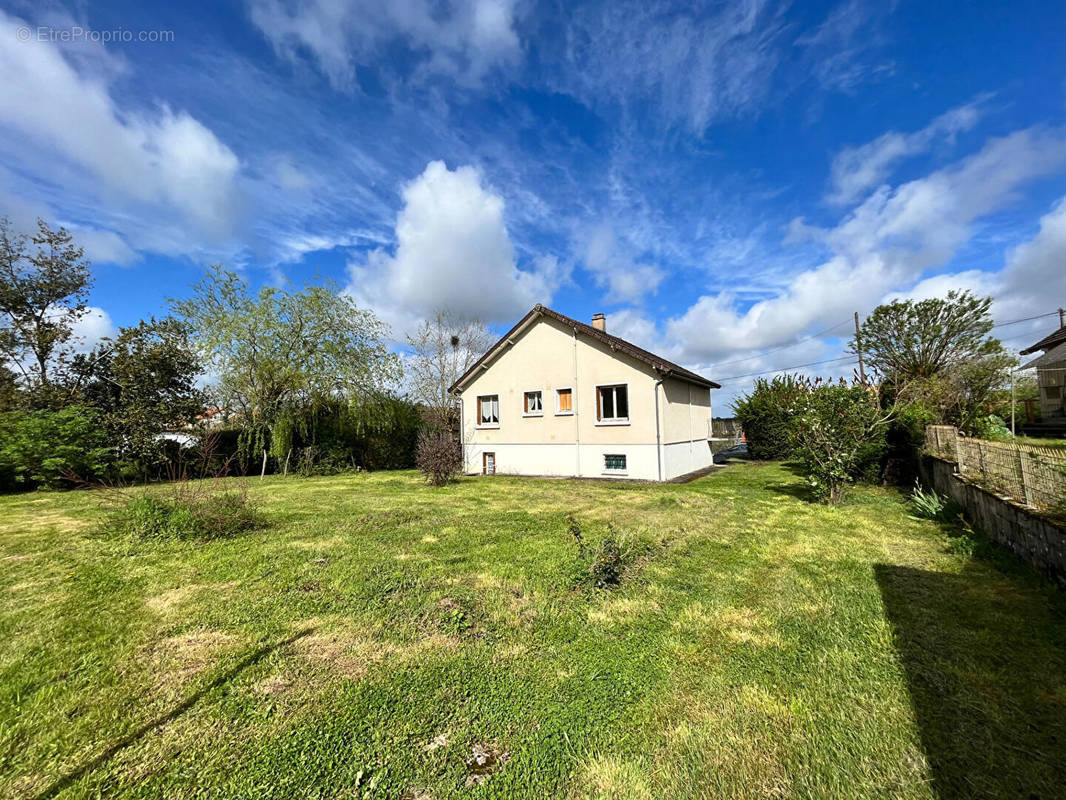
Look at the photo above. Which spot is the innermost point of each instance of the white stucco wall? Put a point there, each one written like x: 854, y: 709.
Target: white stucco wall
x: 548, y: 356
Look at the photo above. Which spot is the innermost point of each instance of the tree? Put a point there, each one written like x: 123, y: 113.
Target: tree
x: 833, y: 428
x: 275, y: 350
x: 143, y: 383
x: 937, y: 355
x: 909, y: 340
x: 10, y: 397
x: 445, y: 347
x: 42, y: 295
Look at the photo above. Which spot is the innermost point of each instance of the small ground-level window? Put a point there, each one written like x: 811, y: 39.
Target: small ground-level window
x: 488, y: 409
x: 614, y: 462
x: 531, y: 404
x: 564, y: 401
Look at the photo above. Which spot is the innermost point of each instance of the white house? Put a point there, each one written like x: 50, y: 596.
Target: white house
x: 558, y: 397
x: 1051, y: 373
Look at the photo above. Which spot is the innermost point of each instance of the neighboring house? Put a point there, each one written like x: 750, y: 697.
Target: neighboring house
x: 558, y: 397
x: 1050, y: 372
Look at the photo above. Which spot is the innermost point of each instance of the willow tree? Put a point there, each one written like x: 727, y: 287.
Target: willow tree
x: 275, y: 350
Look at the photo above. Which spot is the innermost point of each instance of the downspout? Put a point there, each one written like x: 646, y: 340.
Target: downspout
x: 462, y: 425
x: 658, y: 434
x: 577, y: 421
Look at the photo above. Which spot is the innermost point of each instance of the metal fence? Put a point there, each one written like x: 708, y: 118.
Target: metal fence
x: 1032, y: 476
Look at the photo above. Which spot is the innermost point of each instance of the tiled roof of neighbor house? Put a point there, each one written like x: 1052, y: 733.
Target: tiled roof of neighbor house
x: 1058, y: 337
x: 614, y: 342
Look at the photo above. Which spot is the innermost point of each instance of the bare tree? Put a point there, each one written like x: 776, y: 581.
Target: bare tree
x: 445, y: 347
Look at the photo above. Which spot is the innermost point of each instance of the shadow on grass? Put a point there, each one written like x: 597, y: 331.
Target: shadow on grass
x: 985, y: 661
x: 186, y: 704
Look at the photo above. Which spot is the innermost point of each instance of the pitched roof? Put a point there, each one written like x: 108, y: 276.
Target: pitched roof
x: 1049, y: 341
x: 614, y: 342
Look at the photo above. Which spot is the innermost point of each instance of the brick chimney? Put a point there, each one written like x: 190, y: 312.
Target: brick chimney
x: 599, y: 322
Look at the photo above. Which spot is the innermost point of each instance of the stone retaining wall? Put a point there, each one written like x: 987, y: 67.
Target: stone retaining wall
x: 1028, y: 536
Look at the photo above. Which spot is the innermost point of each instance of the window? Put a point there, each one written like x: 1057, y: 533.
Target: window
x: 531, y: 404
x: 1052, y: 392
x: 612, y: 403
x: 564, y: 401
x: 488, y: 463
x: 614, y: 462
x: 488, y: 409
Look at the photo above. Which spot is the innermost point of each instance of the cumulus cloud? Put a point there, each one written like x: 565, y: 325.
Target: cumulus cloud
x: 452, y: 252
x: 60, y: 117
x: 858, y: 169
x: 463, y: 39
x: 888, y: 242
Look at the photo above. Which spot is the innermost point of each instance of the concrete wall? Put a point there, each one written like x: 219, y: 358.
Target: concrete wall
x: 1028, y: 536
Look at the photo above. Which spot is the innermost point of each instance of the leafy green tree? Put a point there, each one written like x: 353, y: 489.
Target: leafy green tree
x: 914, y: 339
x: 275, y: 351
x: 10, y: 396
x: 54, y: 448
x: 833, y: 429
x: 143, y: 383
x: 43, y: 293
x: 936, y: 354
x: 765, y: 416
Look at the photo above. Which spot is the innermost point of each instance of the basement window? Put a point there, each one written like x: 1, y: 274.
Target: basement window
x: 488, y: 411
x: 612, y: 404
x: 614, y: 462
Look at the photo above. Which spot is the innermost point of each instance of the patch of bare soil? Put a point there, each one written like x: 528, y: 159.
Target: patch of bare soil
x: 485, y: 760
x: 189, y: 653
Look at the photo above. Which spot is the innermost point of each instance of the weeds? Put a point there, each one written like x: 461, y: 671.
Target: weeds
x: 603, y: 568
x: 185, y: 513
x: 930, y: 505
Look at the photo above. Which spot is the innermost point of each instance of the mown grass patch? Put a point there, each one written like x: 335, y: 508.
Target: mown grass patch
x: 384, y: 638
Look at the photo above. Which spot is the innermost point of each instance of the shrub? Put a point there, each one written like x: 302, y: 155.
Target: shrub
x: 186, y: 514
x: 53, y: 448
x: 835, y: 428
x: 438, y: 456
x: 765, y: 416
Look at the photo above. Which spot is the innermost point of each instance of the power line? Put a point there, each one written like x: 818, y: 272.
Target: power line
x: 1025, y: 319
x: 782, y: 347
x: 841, y: 358
x: 783, y: 369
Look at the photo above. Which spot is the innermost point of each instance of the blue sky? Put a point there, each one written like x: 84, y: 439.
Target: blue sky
x: 727, y: 184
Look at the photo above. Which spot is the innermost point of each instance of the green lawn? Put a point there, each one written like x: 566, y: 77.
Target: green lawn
x: 379, y: 630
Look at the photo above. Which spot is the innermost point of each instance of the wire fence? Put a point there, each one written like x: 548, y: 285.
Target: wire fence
x: 1029, y: 475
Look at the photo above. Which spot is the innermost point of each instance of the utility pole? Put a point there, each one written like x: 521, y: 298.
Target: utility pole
x: 1062, y: 317
x: 858, y: 348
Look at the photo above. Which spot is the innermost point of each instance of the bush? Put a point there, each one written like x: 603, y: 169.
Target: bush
x: 53, y: 448
x: 765, y: 416
x: 186, y: 514
x: 438, y: 456
x: 836, y: 432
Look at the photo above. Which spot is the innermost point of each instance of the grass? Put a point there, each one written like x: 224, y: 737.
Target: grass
x: 386, y: 639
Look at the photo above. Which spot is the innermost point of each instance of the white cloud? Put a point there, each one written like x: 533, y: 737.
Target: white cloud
x: 625, y: 279
x: 464, y: 39
x: 95, y: 324
x: 452, y: 252
x: 695, y: 65
x: 839, y: 50
x: 62, y: 122
x: 858, y: 169
x: 888, y: 242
